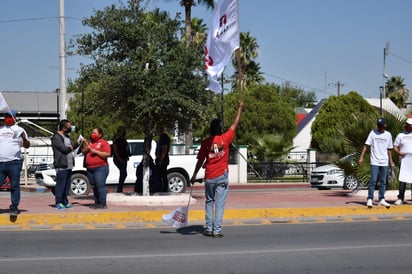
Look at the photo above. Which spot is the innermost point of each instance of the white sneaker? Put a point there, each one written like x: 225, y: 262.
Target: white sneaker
x: 399, y: 202
x: 384, y: 203
x: 369, y: 203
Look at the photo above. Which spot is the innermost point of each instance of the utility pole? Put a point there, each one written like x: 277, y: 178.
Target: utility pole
x: 62, y: 58
x: 338, y: 85
x: 385, y: 75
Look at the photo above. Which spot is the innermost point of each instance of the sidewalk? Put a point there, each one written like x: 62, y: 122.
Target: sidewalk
x: 246, y: 204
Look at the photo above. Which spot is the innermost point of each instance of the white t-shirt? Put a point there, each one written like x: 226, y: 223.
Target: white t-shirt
x: 404, y: 142
x: 379, y: 144
x: 11, y: 143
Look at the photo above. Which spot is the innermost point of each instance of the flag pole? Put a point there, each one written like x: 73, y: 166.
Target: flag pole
x: 239, y: 72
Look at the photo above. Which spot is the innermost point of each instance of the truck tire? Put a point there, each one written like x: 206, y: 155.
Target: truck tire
x: 80, y: 185
x: 177, y: 182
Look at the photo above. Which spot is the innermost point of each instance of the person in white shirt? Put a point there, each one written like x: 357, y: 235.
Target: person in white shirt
x: 403, y: 147
x: 12, y: 138
x: 380, y: 143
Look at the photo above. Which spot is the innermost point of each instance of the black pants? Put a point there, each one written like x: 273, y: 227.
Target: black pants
x: 402, y: 188
x: 123, y: 173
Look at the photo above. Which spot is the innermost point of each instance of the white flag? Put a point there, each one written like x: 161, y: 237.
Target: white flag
x: 3, y: 103
x: 177, y: 218
x: 222, y: 41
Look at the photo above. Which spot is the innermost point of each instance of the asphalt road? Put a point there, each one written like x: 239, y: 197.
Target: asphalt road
x: 357, y: 247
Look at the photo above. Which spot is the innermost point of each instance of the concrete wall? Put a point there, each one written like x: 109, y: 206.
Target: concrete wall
x: 238, y: 172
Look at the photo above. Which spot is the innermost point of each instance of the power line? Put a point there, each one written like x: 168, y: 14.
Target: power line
x: 35, y: 19
x: 299, y: 84
x: 400, y: 57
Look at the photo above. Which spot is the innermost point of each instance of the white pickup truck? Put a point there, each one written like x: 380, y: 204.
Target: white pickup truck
x: 179, y: 171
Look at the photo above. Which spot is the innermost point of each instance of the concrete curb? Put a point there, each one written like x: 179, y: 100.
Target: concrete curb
x: 104, y: 219
x: 121, y: 199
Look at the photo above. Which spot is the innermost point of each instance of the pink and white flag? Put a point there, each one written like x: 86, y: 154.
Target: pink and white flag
x: 222, y: 40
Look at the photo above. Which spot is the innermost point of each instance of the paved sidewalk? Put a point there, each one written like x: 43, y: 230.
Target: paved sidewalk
x: 246, y: 203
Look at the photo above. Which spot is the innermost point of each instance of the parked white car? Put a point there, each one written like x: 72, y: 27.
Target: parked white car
x: 331, y: 176
x: 180, y: 169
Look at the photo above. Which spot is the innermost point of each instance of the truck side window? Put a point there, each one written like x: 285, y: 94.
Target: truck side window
x: 136, y: 148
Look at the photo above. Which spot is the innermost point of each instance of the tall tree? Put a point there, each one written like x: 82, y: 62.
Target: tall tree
x: 188, y: 4
x: 199, y: 33
x: 142, y: 74
x: 247, y: 71
x: 396, y: 90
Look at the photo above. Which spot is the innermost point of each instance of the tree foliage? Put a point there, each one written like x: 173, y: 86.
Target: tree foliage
x: 334, y: 115
x: 355, y: 135
x: 396, y: 90
x: 247, y: 70
x: 141, y: 72
x: 265, y: 112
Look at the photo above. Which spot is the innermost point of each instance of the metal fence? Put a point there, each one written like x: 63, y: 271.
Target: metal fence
x: 278, y: 171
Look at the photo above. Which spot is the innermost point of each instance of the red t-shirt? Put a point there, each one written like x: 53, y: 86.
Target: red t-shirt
x: 215, y: 150
x: 93, y: 160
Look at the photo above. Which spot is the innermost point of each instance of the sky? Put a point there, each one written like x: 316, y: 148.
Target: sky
x: 311, y: 44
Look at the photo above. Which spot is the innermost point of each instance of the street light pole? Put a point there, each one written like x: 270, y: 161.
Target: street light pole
x: 385, y: 75
x: 62, y: 103
x: 381, y: 88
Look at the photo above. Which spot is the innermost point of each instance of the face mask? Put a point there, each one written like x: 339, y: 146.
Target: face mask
x: 68, y: 130
x: 94, y: 136
x: 9, y: 121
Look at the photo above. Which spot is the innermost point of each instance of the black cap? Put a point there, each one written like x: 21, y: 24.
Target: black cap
x: 381, y: 122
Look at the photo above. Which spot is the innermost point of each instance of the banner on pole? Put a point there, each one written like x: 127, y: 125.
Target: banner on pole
x: 222, y: 40
x: 3, y: 104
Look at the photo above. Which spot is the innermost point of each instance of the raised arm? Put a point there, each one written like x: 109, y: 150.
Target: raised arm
x: 238, y: 115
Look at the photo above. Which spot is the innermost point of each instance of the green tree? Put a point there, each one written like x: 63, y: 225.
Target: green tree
x: 355, y: 134
x: 247, y: 71
x: 188, y: 4
x: 271, y: 147
x: 142, y: 74
x: 333, y: 116
x: 298, y: 96
x: 199, y: 33
x: 265, y: 112
x: 396, y: 90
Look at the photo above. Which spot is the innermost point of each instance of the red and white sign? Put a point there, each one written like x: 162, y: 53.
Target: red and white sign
x: 222, y: 41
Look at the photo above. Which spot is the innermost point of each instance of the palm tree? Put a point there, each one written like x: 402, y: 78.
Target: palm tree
x: 247, y: 70
x: 188, y: 4
x: 396, y: 90
x: 198, y: 35
x: 355, y: 135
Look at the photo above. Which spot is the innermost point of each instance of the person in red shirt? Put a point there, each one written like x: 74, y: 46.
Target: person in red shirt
x: 214, y: 157
x: 96, y: 153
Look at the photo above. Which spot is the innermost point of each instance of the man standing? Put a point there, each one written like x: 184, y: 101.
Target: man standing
x: 121, y: 155
x: 162, y: 161
x: 403, y: 147
x: 214, y: 157
x: 380, y: 143
x: 12, y: 138
x: 63, y: 157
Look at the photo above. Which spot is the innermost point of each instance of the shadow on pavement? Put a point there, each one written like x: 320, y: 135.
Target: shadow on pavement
x: 188, y: 230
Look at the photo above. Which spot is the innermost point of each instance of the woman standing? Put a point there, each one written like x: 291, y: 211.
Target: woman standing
x: 96, y: 153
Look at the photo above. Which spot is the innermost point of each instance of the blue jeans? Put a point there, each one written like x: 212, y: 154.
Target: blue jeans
x: 12, y: 169
x: 381, y: 172
x: 97, y: 178
x: 62, y: 189
x: 216, y: 190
